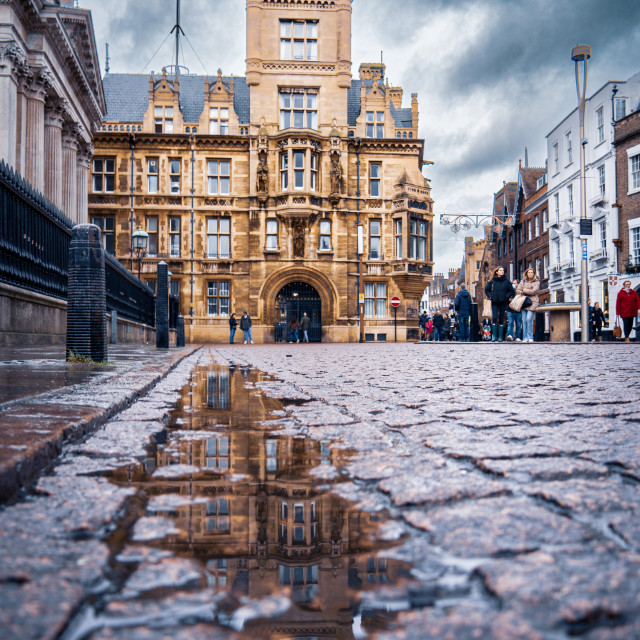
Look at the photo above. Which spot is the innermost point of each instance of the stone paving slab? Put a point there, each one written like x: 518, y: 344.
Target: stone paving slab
x: 33, y: 430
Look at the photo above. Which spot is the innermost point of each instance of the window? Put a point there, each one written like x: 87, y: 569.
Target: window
x: 298, y: 169
x: 634, y: 169
x: 152, y: 230
x: 375, y: 169
x: 314, y: 172
x: 218, y: 121
x: 152, y: 175
x: 569, y: 149
x: 163, y: 118
x: 397, y: 230
x: 174, y: 176
x: 272, y: 235
x: 375, y: 227
x: 504, y: 247
x: 538, y: 264
x: 219, y: 172
x: 375, y: 300
x: 519, y: 236
x: 635, y: 246
x: 511, y: 243
x: 107, y: 227
x: 529, y: 231
x: 299, y: 108
x: 174, y: 236
x: 218, y: 299
x: 218, y: 237
x: 603, y: 235
x: 556, y: 157
x: 571, y: 247
x: 284, y: 171
x: 325, y: 235
x: 217, y: 448
x: 375, y: 124
x: 601, y: 180
x: 417, y: 239
x: 545, y: 266
x: 536, y: 224
x: 298, y: 40
x: 556, y: 206
x: 499, y: 250
x: 104, y: 175
x: 545, y: 219
x: 570, y: 198
x: 556, y: 247
x: 620, y: 108
x: 600, y: 124
x: 218, y: 515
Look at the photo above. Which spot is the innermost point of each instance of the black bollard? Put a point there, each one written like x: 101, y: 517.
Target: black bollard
x: 180, y: 332
x: 86, y: 297
x: 162, y: 306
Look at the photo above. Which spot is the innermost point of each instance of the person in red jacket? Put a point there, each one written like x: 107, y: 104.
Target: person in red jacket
x: 627, y: 307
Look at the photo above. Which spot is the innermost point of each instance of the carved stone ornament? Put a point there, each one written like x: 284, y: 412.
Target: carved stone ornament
x: 298, y: 239
x: 12, y: 54
x: 336, y: 175
x: 262, y: 174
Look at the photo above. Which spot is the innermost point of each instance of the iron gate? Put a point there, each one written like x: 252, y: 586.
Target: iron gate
x: 293, y: 300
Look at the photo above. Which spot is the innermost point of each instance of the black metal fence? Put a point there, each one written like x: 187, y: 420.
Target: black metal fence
x: 174, y: 311
x: 127, y: 295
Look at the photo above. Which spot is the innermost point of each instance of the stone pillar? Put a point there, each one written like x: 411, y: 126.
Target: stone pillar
x: 12, y: 59
x: 82, y: 181
x: 53, y: 177
x: 86, y: 296
x: 70, y: 173
x: 162, y: 306
x: 34, y: 151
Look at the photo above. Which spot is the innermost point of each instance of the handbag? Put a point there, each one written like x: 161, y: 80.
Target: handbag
x: 617, y: 330
x: 526, y: 302
x: 518, y: 302
x: 486, y: 308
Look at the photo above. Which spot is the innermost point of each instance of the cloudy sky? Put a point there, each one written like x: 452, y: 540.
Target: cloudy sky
x: 492, y: 76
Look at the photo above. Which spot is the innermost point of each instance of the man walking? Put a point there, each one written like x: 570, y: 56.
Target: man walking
x: 438, y: 323
x: 245, y: 325
x: 305, y: 323
x: 462, y: 305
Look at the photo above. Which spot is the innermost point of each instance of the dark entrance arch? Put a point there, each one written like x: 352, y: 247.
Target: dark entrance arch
x: 292, y: 301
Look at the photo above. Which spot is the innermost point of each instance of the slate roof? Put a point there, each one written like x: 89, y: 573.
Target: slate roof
x: 529, y: 178
x: 127, y: 97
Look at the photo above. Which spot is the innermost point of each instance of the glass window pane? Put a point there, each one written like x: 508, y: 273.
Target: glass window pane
x: 312, y: 29
x: 224, y: 246
x: 325, y: 226
x: 153, y: 184
x: 97, y: 165
x: 285, y: 100
x: 225, y: 168
x: 374, y: 189
x: 368, y: 307
x: 312, y: 101
x: 272, y: 226
x: 380, y: 131
x: 312, y: 120
x: 380, y: 116
x: 370, y: 116
x: 375, y: 247
x: 312, y: 50
x: 158, y: 111
x: 381, y: 308
x: 298, y: 49
x: 285, y: 28
x: 325, y: 243
x: 369, y: 131
x: 212, y: 248
x: 285, y: 119
x: 224, y: 186
x: 298, y: 29
x: 298, y: 100
x: 174, y: 224
x: 298, y: 119
x: 213, y: 127
x: 225, y: 225
x: 110, y: 181
x: 213, y: 167
x: 369, y: 289
x: 375, y: 170
x: 381, y: 290
x: 298, y: 159
x: 213, y: 185
x: 375, y: 227
x: 168, y: 111
x: 109, y: 165
x: 152, y: 224
x: 299, y: 179
x: 212, y: 225
x: 224, y: 113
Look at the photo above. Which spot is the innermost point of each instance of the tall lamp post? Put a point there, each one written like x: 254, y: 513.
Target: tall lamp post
x: 140, y: 242
x: 582, y: 53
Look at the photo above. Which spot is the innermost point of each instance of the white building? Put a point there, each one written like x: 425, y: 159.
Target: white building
x: 563, y: 165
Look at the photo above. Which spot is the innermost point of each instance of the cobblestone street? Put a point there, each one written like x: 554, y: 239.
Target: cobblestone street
x: 507, y: 475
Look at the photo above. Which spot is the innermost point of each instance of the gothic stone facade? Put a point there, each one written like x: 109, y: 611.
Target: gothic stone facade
x: 255, y: 189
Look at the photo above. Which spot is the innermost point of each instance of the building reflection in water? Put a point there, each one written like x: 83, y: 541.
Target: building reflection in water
x: 266, y: 524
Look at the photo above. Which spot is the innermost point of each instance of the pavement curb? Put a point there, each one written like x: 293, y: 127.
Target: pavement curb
x: 33, y: 431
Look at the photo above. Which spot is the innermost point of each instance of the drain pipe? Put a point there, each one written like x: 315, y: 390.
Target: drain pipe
x: 193, y: 222
x: 132, y: 145
x: 360, y: 244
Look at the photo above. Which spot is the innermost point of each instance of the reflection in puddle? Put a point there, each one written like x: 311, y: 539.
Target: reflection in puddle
x: 250, y: 512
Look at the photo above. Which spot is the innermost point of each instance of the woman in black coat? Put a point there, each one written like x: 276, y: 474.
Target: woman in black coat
x: 499, y: 289
x: 598, y: 321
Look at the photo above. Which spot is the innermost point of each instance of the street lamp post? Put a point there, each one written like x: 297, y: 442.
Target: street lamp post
x: 140, y: 242
x: 582, y: 53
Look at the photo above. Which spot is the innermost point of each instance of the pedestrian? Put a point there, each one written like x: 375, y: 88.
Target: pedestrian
x: 233, y: 323
x: 529, y: 286
x: 462, y: 305
x: 294, y: 325
x: 590, y: 320
x: 446, y: 328
x: 305, y: 323
x: 486, y: 329
x: 514, y: 321
x: 429, y: 330
x: 422, y: 321
x: 598, y: 321
x: 499, y: 289
x: 627, y: 307
x: 438, y: 323
x: 245, y: 326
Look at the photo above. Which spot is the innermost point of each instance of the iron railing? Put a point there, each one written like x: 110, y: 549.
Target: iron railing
x: 174, y: 310
x: 127, y: 295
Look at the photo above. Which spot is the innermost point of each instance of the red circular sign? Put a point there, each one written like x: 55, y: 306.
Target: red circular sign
x: 395, y: 301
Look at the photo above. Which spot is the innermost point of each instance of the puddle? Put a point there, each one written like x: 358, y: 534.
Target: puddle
x: 235, y: 527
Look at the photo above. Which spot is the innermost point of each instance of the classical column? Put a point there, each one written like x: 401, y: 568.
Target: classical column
x: 12, y: 60
x: 84, y: 155
x: 34, y: 151
x: 54, y: 114
x: 70, y: 171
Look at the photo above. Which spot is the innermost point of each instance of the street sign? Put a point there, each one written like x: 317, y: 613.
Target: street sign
x: 613, y: 281
x: 361, y: 298
x: 395, y: 301
x: 584, y: 251
x: 586, y: 227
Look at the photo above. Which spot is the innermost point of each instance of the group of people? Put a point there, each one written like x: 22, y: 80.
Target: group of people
x: 245, y: 327
x: 293, y: 335
x: 296, y: 327
x: 439, y: 328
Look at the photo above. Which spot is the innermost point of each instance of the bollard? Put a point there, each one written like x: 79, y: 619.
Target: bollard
x: 180, y: 332
x: 86, y: 297
x: 162, y: 306
x: 114, y: 326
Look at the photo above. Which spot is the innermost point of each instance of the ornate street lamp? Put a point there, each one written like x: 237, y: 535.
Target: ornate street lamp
x: 140, y: 242
x: 582, y: 53
x: 464, y: 221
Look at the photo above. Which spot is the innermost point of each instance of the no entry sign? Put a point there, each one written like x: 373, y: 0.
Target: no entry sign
x: 395, y: 301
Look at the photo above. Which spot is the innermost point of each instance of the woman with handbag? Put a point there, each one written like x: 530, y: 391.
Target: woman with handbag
x: 499, y: 289
x: 529, y: 287
x: 627, y: 307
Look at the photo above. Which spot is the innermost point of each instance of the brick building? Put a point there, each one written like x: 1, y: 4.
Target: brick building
x: 293, y: 188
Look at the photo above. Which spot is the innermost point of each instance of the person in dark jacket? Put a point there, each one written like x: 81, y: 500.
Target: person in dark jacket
x: 422, y: 323
x: 446, y: 328
x: 438, y: 323
x: 305, y: 323
x: 294, y: 325
x: 499, y: 289
x: 233, y: 323
x: 245, y: 326
x: 598, y: 321
x: 462, y: 305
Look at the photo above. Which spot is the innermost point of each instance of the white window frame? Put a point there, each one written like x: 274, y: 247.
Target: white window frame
x: 299, y: 40
x: 324, y: 229
x: 375, y: 300
x: 619, y: 113
x: 218, y: 121
x: 556, y: 206
x: 375, y: 234
x: 556, y: 158
x: 375, y: 180
x: 151, y: 224
x: 298, y: 108
x: 397, y: 233
x: 219, y: 237
x: 163, y: 119
x: 569, y: 148
x: 536, y: 224
x: 601, y: 180
x: 634, y: 232
x: 218, y: 177
x: 633, y: 177
x: 174, y: 176
x: 153, y: 175
x: 105, y: 170
x: 272, y: 234
x: 570, y: 199
x: 602, y: 228
x: 220, y: 291
x: 175, y: 231
x: 600, y: 125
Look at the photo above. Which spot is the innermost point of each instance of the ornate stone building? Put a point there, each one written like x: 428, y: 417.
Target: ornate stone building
x: 292, y: 189
x: 51, y: 98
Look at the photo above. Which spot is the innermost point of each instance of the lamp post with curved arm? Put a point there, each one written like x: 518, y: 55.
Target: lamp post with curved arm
x: 464, y: 221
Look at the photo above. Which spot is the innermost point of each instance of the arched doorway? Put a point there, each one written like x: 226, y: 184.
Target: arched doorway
x: 292, y: 301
